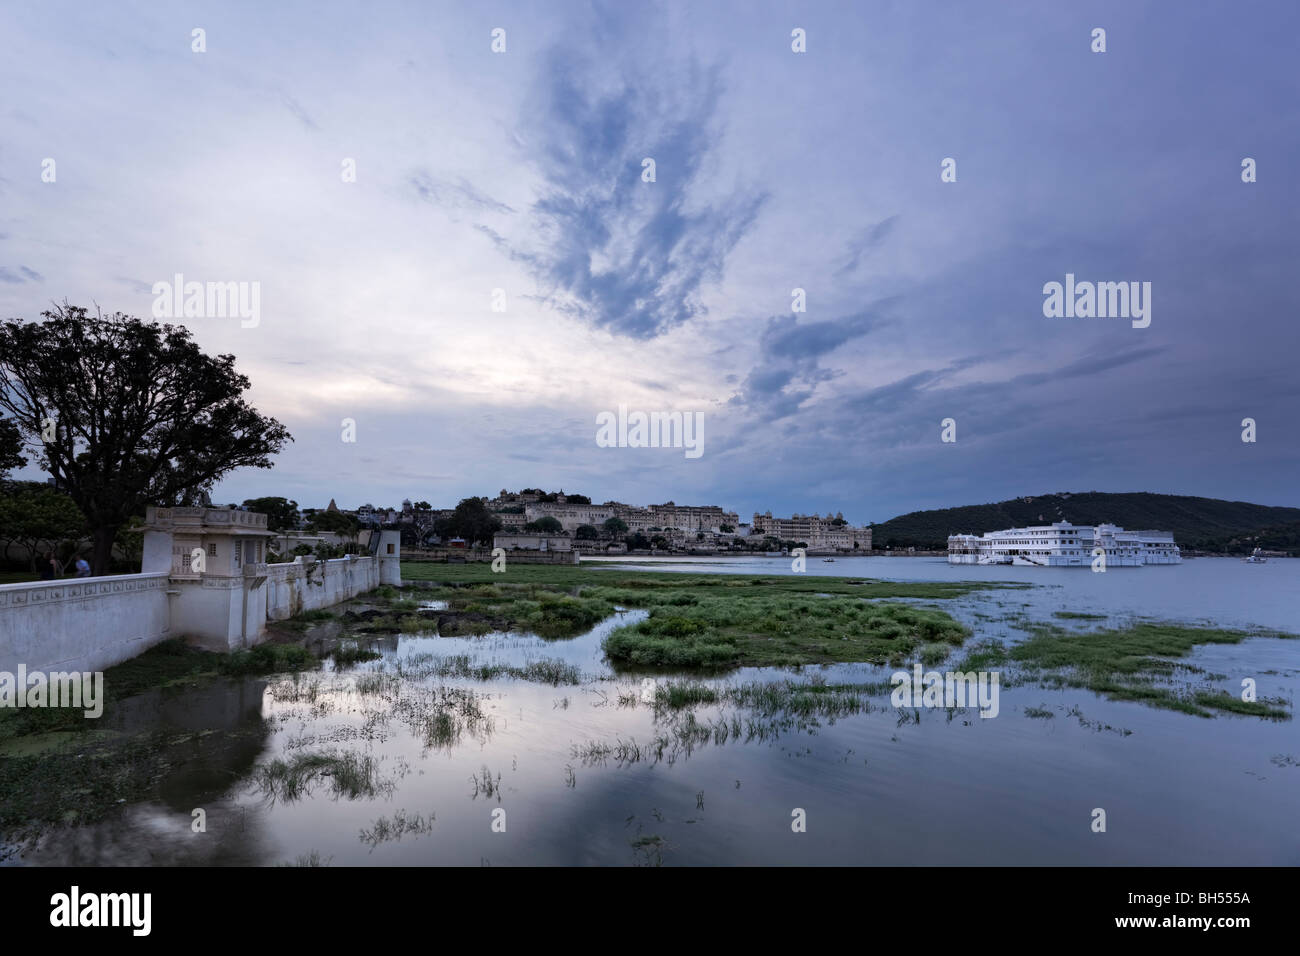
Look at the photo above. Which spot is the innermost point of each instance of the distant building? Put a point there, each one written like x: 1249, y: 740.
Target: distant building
x: 532, y: 542
x: 693, y: 517
x: 818, y: 533
x: 666, y: 517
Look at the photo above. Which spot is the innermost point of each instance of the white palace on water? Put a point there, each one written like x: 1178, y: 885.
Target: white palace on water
x: 1063, y: 545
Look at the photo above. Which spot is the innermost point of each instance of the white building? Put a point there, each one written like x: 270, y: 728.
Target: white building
x: 1065, y: 545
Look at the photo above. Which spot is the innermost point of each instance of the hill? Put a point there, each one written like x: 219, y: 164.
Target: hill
x: 1197, y: 523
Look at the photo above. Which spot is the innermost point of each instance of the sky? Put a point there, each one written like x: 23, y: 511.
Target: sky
x: 774, y: 170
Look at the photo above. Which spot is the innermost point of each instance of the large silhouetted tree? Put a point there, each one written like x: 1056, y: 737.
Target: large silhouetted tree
x: 125, y: 413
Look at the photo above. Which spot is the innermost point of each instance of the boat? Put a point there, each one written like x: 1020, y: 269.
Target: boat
x: 1063, y: 544
x: 1256, y: 558
x: 828, y: 560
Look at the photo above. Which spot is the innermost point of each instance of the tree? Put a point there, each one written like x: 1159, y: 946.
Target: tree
x: 422, y: 506
x: 577, y: 499
x: 636, y: 541
x: 130, y: 541
x: 281, y: 513
x: 11, y: 447
x: 659, y: 542
x: 470, y: 520
x: 727, y: 529
x: 546, y: 524
x: 586, y: 532
x: 335, y: 522
x: 39, y: 518
x: 140, y: 415
x: 615, y: 527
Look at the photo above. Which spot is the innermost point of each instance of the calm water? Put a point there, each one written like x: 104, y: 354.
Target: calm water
x: 1176, y: 789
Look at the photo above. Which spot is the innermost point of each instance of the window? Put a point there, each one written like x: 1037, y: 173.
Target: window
x: 212, y: 550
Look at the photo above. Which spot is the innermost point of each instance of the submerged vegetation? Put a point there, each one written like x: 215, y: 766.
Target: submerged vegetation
x: 1126, y: 664
x: 348, y: 775
x: 705, y: 622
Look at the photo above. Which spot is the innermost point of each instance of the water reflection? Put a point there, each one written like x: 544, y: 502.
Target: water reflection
x: 417, y: 761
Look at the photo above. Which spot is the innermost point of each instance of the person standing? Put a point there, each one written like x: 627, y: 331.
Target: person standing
x: 83, y: 566
x: 49, y: 567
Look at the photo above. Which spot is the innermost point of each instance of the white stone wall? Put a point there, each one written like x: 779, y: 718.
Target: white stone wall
x: 82, y: 624
x: 307, y: 584
x: 90, y: 624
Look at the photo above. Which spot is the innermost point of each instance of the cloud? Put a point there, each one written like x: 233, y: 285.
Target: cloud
x: 23, y: 274
x: 620, y: 253
x: 789, y: 369
x: 865, y: 242
x: 1093, y: 363
x: 460, y: 194
x: 294, y: 107
x: 135, y: 285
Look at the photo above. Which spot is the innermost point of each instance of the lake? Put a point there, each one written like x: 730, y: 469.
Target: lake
x: 535, y: 774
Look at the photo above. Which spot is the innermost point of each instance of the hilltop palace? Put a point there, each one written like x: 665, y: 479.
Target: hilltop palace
x: 1063, y: 545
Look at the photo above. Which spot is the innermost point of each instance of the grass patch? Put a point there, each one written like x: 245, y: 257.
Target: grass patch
x: 348, y: 653
x: 1125, y: 665
x: 932, y: 654
x: 267, y: 659
x: 722, y: 631
x: 417, y: 667
x: 701, y: 622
